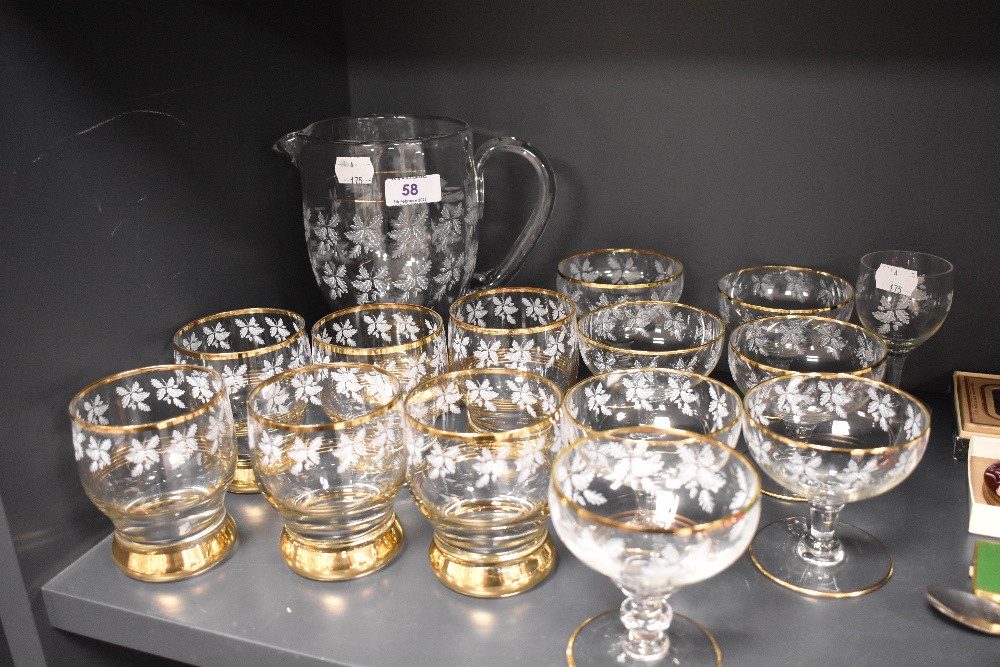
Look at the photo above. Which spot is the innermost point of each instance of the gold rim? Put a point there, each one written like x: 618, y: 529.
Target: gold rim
x: 641, y: 353
x: 314, y: 428
x: 783, y: 371
x: 852, y: 451
x: 729, y: 518
x: 801, y: 311
x: 381, y: 349
x: 457, y: 307
x: 595, y: 379
x: 547, y: 422
x: 256, y: 352
x: 610, y: 251
x: 162, y: 424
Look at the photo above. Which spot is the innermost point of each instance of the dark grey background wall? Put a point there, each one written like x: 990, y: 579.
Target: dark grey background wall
x: 138, y: 189
x: 729, y: 134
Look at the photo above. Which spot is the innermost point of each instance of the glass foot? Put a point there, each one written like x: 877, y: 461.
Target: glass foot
x: 319, y: 561
x: 175, y: 561
x: 866, y: 565
x: 598, y: 643
x: 492, y: 577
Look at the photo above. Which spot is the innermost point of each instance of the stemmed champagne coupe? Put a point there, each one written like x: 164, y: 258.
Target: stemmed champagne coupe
x: 904, y: 297
x: 654, y: 510
x: 832, y: 438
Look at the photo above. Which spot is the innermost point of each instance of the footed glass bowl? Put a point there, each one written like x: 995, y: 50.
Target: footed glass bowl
x: 651, y: 334
x: 772, y: 346
x: 749, y: 294
x: 602, y: 277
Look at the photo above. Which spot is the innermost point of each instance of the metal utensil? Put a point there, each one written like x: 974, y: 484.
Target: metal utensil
x: 966, y: 608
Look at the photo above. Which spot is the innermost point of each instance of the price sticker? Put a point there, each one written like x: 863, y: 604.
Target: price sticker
x: 895, y: 279
x: 354, y: 170
x: 412, y: 190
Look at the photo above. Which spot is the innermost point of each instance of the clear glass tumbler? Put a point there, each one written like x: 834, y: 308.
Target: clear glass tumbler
x: 328, y: 454
x: 478, y: 444
x: 156, y: 452
x: 761, y: 291
x: 522, y: 328
x: 651, y: 334
x: 244, y: 347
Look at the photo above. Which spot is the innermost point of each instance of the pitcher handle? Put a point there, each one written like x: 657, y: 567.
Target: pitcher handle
x: 503, y: 271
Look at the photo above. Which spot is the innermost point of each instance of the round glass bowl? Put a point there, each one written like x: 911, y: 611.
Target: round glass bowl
x: 749, y: 294
x: 651, y: 334
x: 659, y: 398
x: 772, y: 346
x: 601, y: 277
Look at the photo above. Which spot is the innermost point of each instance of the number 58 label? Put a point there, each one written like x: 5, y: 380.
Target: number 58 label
x: 412, y: 190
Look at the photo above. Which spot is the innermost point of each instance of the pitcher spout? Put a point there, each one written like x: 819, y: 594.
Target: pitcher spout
x: 290, y: 145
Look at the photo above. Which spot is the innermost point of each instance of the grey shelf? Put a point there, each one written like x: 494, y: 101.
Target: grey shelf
x: 252, y: 610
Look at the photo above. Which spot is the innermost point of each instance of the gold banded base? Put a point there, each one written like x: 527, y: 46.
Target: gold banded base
x: 493, y: 578
x: 313, y: 560
x: 244, y: 480
x: 173, y: 562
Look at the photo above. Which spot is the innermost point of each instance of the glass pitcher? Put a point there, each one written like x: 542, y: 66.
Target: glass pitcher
x: 391, y: 206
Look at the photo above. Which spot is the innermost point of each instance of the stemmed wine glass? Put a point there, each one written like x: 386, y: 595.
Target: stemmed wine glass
x: 654, y: 510
x: 832, y: 438
x: 904, y: 297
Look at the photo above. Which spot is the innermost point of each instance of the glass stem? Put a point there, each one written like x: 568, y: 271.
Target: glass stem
x: 647, y: 620
x: 894, y: 368
x: 821, y: 546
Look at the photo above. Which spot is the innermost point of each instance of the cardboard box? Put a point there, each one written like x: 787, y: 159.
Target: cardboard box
x: 977, y: 407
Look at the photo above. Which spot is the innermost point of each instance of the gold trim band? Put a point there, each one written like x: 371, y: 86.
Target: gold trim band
x: 256, y: 352
x: 517, y: 331
x: 218, y: 396
x: 381, y: 349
